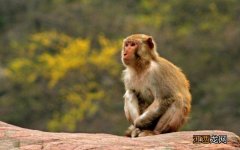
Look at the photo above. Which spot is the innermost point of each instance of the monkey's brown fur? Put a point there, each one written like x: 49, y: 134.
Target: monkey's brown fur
x: 157, y: 98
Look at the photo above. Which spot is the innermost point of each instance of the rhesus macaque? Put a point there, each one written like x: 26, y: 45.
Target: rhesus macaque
x: 157, y: 98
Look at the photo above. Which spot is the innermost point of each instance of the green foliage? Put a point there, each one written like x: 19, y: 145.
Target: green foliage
x: 68, y: 69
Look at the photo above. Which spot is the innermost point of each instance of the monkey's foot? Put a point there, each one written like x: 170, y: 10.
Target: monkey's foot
x: 135, y: 132
x: 146, y: 133
x: 129, y: 131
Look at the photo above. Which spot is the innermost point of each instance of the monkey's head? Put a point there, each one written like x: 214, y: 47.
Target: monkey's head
x: 138, y: 48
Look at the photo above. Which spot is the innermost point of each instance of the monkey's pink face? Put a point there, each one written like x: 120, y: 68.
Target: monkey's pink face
x: 129, y: 50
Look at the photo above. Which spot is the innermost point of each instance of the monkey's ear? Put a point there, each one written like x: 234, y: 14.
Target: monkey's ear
x: 150, y: 43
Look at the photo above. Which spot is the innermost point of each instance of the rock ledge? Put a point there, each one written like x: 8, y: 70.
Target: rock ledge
x: 12, y: 137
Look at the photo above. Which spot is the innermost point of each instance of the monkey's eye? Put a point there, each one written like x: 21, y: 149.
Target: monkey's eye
x: 133, y: 44
x: 126, y: 44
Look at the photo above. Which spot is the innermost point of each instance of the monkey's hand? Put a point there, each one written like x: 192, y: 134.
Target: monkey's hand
x: 146, y: 119
x: 142, y: 123
x: 135, y: 132
x: 153, y: 113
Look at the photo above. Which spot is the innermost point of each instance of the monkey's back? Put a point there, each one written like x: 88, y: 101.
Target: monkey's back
x: 174, y: 82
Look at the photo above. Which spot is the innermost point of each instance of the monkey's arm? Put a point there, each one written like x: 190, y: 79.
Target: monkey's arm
x: 131, y: 107
x: 153, y: 112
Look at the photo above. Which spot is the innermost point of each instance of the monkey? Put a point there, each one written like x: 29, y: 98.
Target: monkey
x: 157, y: 98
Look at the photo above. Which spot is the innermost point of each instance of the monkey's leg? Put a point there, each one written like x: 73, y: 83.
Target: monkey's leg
x: 173, y: 118
x: 131, y: 107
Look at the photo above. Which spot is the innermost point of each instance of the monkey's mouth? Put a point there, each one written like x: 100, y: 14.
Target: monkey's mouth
x: 126, y: 60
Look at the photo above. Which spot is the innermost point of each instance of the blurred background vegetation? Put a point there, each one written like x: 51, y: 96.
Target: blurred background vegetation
x: 60, y: 67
